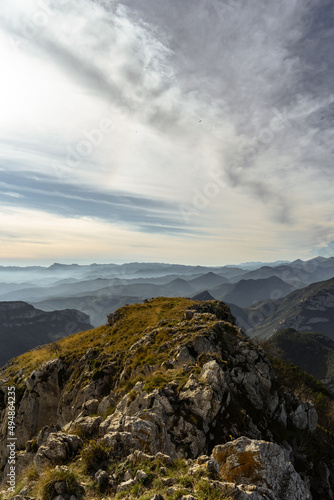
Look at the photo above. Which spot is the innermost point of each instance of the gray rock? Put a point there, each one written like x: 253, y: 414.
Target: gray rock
x: 128, y: 475
x: 59, y: 447
x: 60, y: 487
x: 90, y: 406
x: 261, y: 464
x: 141, y: 475
x: 300, y: 418
x: 125, y: 485
x: 101, y: 477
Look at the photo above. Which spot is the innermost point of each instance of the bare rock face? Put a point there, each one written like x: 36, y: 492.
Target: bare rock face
x: 58, y: 448
x: 40, y: 401
x: 263, y: 464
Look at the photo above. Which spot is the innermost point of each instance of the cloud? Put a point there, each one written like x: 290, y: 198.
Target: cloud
x: 194, y: 89
x: 26, y: 190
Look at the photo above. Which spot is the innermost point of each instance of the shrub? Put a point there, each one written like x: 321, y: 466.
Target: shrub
x: 57, y: 475
x: 95, y: 456
x: 55, y: 347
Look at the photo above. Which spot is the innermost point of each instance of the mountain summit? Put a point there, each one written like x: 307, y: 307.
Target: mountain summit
x: 170, y: 399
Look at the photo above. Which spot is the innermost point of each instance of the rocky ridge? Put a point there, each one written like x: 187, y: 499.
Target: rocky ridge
x: 169, y: 400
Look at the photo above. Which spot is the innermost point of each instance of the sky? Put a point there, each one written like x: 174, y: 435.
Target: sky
x: 193, y: 131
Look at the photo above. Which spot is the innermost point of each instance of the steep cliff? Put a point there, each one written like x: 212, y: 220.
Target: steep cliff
x: 168, y: 400
x: 23, y: 327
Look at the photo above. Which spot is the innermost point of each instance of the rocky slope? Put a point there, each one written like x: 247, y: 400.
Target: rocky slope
x: 308, y: 309
x: 22, y: 327
x: 168, y: 400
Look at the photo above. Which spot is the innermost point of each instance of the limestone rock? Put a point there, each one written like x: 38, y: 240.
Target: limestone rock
x: 91, y: 406
x: 101, y: 477
x: 263, y: 464
x: 87, y: 426
x: 125, y: 485
x: 59, y: 447
x: 141, y: 475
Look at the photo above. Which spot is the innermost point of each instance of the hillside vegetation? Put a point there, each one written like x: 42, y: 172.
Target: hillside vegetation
x: 169, y: 400
x: 311, y: 351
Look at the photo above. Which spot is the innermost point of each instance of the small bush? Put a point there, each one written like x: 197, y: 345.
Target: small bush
x: 31, y: 474
x: 54, y: 476
x: 55, y: 347
x: 95, y: 456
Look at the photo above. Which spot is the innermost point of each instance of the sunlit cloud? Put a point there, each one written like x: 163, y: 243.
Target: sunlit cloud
x: 192, y: 124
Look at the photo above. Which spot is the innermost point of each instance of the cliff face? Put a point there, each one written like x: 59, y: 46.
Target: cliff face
x: 165, y: 386
x: 22, y: 327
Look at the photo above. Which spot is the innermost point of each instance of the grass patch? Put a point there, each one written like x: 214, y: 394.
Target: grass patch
x: 53, y: 476
x: 115, y: 339
x: 204, y: 491
x: 95, y: 456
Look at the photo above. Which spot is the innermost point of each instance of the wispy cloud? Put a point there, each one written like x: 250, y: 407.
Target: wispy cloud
x: 222, y: 108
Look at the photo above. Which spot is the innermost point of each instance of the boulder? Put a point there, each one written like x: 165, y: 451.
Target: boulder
x: 262, y: 464
x: 58, y: 448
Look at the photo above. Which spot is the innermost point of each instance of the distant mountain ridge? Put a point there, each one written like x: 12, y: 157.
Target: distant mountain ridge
x: 249, y: 291
x: 22, y: 327
x: 97, y: 289
x: 308, y: 309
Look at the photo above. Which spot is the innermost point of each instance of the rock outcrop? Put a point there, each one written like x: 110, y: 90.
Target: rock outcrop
x: 189, y: 386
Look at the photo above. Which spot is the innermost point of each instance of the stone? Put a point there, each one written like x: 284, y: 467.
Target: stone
x: 300, y: 419
x: 141, y: 475
x: 59, y: 447
x: 101, y: 477
x: 128, y: 475
x: 260, y: 463
x: 171, y: 491
x: 164, y: 459
x: 60, y: 487
x: 90, y: 406
x: 125, y: 485
x: 87, y: 426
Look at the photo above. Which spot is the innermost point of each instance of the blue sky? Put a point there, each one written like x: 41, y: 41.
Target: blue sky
x: 198, y: 131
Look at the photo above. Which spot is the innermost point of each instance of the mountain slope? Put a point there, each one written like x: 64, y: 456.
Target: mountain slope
x: 308, y: 309
x: 249, y: 291
x: 311, y: 351
x: 169, y: 394
x: 22, y: 327
x: 207, y: 280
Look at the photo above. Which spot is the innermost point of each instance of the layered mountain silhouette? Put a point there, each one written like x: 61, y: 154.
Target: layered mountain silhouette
x: 247, y: 292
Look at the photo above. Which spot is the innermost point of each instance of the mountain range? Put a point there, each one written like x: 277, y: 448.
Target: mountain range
x: 98, y: 288
x: 264, y: 299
